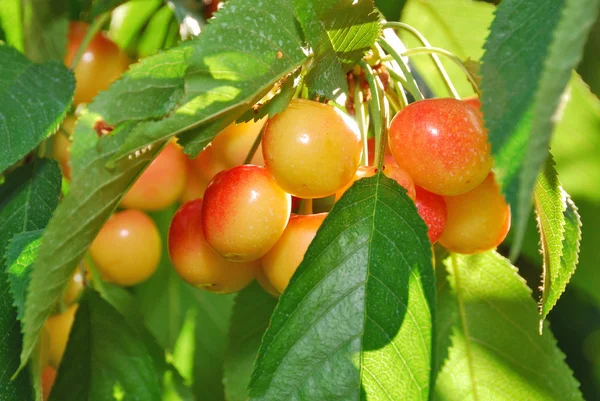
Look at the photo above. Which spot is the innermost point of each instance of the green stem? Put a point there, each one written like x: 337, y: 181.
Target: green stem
x: 410, y: 79
x: 255, y: 146
x: 434, y: 56
x: 452, y: 56
x: 376, y: 105
x: 359, y: 115
x: 94, y: 28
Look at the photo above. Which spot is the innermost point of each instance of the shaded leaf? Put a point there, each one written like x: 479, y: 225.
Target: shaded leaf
x: 94, y: 194
x: 497, y: 352
x: 249, y: 321
x: 522, y: 89
x: 391, y: 9
x: 355, y: 321
x: 34, y: 99
x: 104, y: 358
x: 45, y: 29
x: 20, y: 257
x: 560, y: 231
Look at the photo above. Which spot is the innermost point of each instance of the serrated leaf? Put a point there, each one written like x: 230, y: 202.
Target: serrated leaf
x: 229, y: 65
x: 45, y: 29
x: 497, y: 352
x: 459, y: 26
x: 20, y: 256
x: 104, y: 358
x: 249, y: 321
x: 522, y: 89
x: 355, y: 321
x: 560, y: 231
x: 94, y: 194
x: 34, y: 99
x: 11, y: 23
x: 340, y: 32
x: 27, y: 199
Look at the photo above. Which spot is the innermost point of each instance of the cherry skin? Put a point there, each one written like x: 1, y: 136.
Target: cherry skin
x: 312, y: 149
x: 473, y: 102
x: 101, y: 64
x: 196, y: 262
x: 478, y: 220
x: 442, y: 144
x: 264, y: 282
x: 432, y: 209
x: 281, y: 262
x: 48, y: 378
x: 127, y: 249
x: 390, y: 170
x: 232, y: 145
x: 58, y: 328
x: 244, y: 213
x: 74, y: 288
x: 195, y: 184
x: 161, y: 184
x: 62, y: 143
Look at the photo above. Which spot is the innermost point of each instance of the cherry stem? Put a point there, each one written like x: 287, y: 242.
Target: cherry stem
x: 306, y: 206
x: 410, y: 79
x: 378, y: 111
x: 255, y: 146
x: 360, y: 116
x: 452, y: 56
x: 93, y: 29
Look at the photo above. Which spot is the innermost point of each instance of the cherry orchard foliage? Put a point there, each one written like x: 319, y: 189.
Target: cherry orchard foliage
x: 523, y: 88
x: 193, y: 83
x: 361, y: 305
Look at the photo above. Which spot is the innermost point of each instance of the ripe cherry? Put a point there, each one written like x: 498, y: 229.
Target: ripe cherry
x: 127, y: 249
x: 48, y: 378
x: 58, y: 328
x: 390, y: 170
x: 161, y: 184
x: 280, y: 263
x: 196, y: 262
x: 477, y: 220
x: 312, y: 149
x: 101, y: 64
x: 244, y: 212
x: 473, y: 102
x: 442, y: 144
x: 232, y: 145
x: 432, y: 209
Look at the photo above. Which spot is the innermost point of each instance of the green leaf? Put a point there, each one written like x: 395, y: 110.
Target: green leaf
x: 391, y: 9
x: 459, y: 26
x: 355, y: 321
x: 229, y: 65
x: 522, y: 89
x: 34, y: 99
x: 213, y: 313
x: 11, y: 23
x: 251, y: 313
x: 20, y: 256
x: 560, y: 231
x: 45, y: 29
x: 104, y: 358
x: 497, y: 352
x: 94, y: 194
x: 27, y: 199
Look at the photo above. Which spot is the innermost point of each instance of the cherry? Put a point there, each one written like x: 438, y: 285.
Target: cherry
x: 280, y: 263
x: 195, y: 184
x: 48, y: 378
x: 161, y: 184
x: 74, y: 288
x: 196, y: 262
x: 232, y: 145
x: 442, y: 144
x: 264, y: 282
x: 477, y: 220
x: 101, y: 64
x: 127, y: 249
x: 58, y: 328
x: 432, y: 209
x: 244, y: 212
x: 473, y: 102
x: 61, y: 145
x: 312, y: 149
